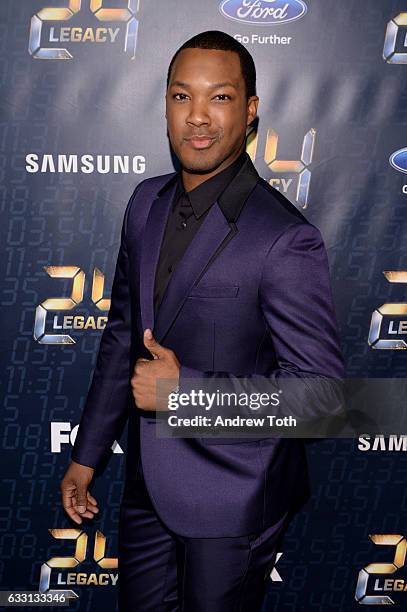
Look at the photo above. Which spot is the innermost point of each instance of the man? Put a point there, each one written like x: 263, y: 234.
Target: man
x: 217, y: 273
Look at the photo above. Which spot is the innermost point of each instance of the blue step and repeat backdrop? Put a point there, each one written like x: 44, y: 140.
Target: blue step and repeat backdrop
x: 82, y: 122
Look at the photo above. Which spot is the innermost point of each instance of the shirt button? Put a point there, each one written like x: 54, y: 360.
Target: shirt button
x: 184, y: 224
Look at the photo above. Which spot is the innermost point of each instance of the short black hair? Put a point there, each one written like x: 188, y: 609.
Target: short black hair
x: 216, y: 39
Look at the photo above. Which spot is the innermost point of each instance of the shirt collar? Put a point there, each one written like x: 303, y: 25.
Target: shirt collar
x: 204, y: 195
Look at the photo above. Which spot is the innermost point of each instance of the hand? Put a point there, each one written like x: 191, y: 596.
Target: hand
x: 76, y: 499
x: 165, y: 365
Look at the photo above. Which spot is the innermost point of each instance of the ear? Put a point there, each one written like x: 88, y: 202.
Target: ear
x: 252, y: 105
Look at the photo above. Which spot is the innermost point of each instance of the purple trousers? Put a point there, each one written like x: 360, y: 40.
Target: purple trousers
x: 160, y: 571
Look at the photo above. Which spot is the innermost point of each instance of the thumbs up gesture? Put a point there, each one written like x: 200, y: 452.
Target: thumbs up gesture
x: 147, y: 372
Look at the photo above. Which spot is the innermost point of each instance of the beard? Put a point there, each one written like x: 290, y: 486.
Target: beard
x: 196, y: 161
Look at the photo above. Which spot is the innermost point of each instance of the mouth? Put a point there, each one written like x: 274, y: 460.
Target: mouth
x: 200, y: 142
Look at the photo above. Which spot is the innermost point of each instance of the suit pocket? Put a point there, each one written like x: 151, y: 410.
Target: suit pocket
x: 214, y: 291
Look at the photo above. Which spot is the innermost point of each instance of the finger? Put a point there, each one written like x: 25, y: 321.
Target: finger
x: 80, y: 499
x: 88, y: 514
x: 74, y: 516
x: 92, y: 500
x: 140, y: 362
x: 140, y: 365
x: 92, y: 507
x: 68, y: 494
x: 152, y: 345
x: 136, y: 384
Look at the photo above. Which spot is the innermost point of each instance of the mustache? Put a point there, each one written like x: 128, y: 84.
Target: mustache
x: 199, y: 135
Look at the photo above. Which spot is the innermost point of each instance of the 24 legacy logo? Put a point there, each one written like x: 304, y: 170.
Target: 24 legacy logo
x: 395, y: 41
x: 380, y: 585
x: 76, y: 24
x: 80, y: 555
x: 389, y: 323
x: 289, y: 171
x: 263, y: 12
x: 62, y: 321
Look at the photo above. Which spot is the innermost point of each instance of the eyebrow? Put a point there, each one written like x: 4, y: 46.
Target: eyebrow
x: 214, y: 86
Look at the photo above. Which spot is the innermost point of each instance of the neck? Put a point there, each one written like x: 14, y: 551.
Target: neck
x: 192, y: 179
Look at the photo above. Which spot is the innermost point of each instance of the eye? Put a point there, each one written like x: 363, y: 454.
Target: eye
x: 180, y: 94
x: 223, y: 96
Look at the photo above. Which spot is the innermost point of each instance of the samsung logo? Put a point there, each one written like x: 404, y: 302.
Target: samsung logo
x: 85, y: 164
x: 263, y: 12
x: 399, y: 160
x: 392, y: 443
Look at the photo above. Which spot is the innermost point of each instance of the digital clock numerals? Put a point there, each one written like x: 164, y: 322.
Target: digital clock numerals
x: 299, y: 167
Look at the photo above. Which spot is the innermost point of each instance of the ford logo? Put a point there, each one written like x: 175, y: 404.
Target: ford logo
x: 399, y: 160
x: 263, y: 12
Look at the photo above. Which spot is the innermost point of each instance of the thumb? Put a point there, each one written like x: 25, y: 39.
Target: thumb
x: 81, y: 499
x: 152, y: 345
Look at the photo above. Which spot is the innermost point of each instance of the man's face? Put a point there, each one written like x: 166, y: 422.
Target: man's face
x: 206, y: 108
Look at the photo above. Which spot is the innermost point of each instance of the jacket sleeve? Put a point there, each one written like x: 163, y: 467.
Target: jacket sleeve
x: 105, y: 413
x: 296, y: 300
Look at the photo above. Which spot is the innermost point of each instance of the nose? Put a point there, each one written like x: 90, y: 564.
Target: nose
x: 198, y: 113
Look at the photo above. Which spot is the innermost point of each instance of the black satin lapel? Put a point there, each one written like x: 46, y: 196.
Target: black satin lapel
x: 150, y: 252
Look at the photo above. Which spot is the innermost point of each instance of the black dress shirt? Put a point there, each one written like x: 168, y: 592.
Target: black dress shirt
x: 188, y: 210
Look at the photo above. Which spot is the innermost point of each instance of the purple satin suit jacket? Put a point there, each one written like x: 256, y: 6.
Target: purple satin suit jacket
x: 251, y: 296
